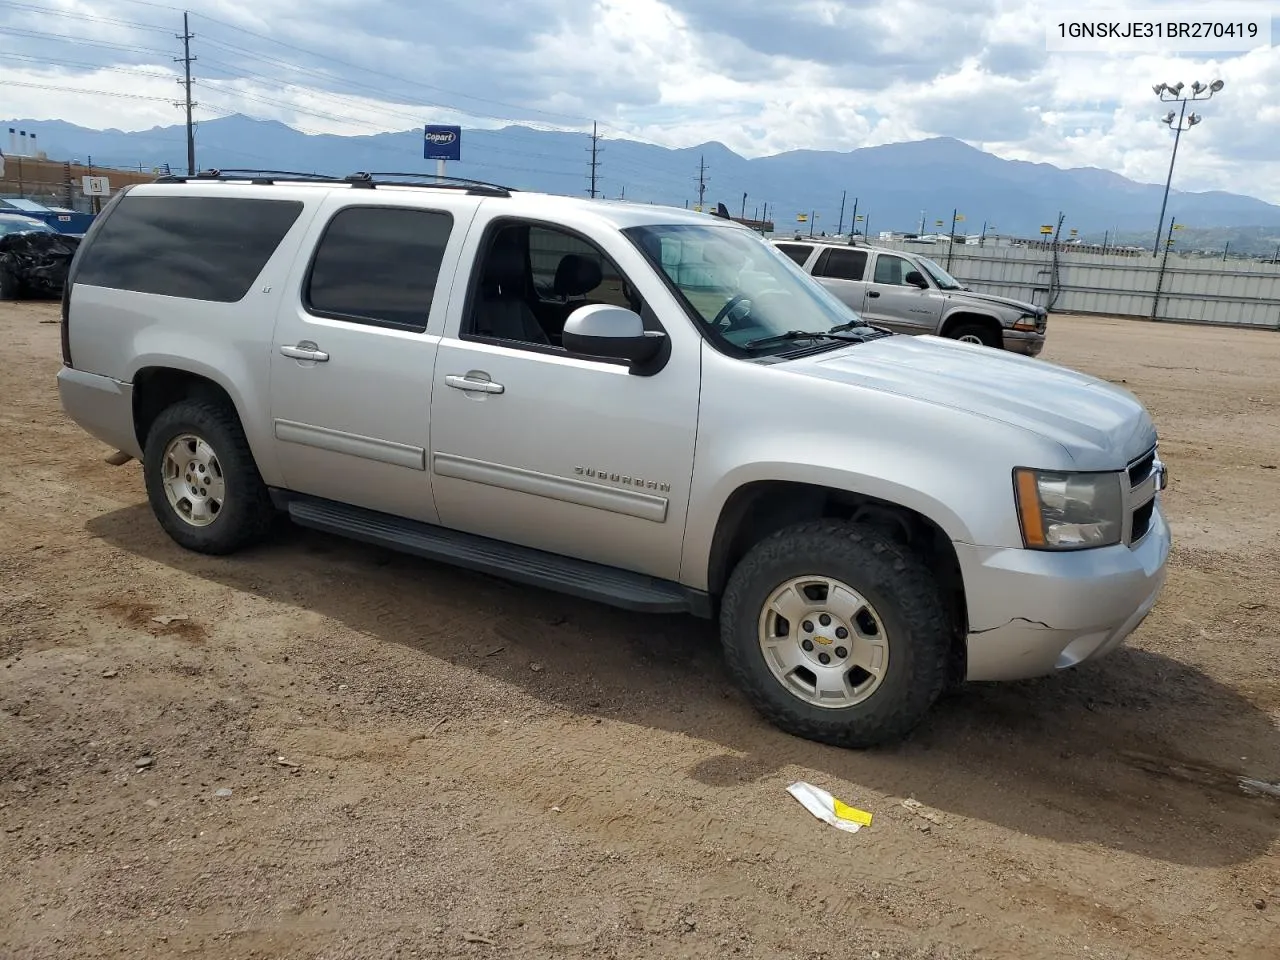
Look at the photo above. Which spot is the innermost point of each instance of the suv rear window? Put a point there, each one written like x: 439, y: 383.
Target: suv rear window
x: 378, y: 265
x: 197, y: 248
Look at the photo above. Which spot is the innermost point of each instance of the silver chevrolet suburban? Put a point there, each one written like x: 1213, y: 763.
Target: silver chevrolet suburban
x: 647, y: 407
x: 910, y: 293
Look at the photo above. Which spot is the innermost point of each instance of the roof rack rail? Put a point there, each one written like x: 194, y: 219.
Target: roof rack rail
x: 482, y: 187
x: 256, y: 176
x: 358, y: 180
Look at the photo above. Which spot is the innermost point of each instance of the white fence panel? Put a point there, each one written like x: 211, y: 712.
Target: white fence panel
x: 1232, y: 293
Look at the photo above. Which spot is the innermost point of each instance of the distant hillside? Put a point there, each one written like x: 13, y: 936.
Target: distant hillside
x: 893, y: 184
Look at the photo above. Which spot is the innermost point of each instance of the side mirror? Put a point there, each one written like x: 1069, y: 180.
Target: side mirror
x: 916, y: 279
x: 603, y: 330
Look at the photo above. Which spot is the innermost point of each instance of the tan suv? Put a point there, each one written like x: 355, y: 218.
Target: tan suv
x: 908, y: 293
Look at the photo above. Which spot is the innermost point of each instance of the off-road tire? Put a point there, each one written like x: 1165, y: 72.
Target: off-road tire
x: 247, y: 514
x: 983, y: 333
x: 893, y: 579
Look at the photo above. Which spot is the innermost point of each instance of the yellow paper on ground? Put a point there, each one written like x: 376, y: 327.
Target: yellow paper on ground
x: 827, y: 808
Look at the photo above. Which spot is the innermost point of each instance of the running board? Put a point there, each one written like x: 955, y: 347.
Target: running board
x: 536, y: 568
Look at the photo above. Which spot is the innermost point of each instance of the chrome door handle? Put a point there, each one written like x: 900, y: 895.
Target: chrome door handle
x: 470, y: 383
x: 306, y: 350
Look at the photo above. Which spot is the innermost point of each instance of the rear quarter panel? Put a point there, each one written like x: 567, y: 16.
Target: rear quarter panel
x: 117, y: 333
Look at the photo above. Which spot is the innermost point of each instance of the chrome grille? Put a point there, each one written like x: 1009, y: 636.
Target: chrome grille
x: 1146, y: 477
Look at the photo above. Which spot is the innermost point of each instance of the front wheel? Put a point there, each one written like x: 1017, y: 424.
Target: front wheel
x: 977, y: 333
x: 202, y: 482
x: 836, y: 634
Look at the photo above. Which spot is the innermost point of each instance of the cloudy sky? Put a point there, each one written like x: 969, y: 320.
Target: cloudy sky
x: 761, y: 76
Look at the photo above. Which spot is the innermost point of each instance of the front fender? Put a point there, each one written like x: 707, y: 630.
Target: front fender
x: 761, y: 422
x: 959, y: 313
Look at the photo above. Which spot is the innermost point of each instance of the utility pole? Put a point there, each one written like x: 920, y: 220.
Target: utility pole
x: 595, y: 158
x: 702, y: 180
x: 840, y: 225
x: 744, y: 207
x: 186, y: 60
x: 853, y: 218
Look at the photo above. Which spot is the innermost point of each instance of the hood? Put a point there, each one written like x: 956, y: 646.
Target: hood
x: 1102, y: 426
x: 988, y: 298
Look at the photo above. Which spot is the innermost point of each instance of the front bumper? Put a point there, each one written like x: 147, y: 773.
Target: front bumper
x: 1033, y: 613
x: 100, y: 406
x: 1024, y: 342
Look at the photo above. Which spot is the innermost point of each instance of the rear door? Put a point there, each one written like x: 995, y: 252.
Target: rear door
x: 355, y: 347
x: 894, y: 303
x: 842, y: 270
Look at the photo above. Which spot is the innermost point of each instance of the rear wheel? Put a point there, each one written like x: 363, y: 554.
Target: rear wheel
x: 976, y: 333
x: 202, y: 482
x: 836, y: 634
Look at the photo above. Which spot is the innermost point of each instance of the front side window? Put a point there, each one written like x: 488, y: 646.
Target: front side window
x: 943, y: 279
x: 563, y: 264
x: 378, y: 265
x: 892, y: 270
x: 197, y: 248
x: 531, y: 277
x: 740, y: 288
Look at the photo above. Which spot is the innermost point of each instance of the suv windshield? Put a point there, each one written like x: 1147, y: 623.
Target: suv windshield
x: 943, y: 279
x: 743, y: 289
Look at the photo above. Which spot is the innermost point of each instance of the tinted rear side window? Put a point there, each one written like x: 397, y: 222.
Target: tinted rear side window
x: 379, y: 265
x: 798, y: 254
x: 198, y: 248
x: 841, y: 264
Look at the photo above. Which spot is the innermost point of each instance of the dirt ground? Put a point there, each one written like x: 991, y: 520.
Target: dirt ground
x: 358, y: 754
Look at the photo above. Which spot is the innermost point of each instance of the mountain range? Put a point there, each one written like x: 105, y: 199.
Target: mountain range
x: 896, y: 186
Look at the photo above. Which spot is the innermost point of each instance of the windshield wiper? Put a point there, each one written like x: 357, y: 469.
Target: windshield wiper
x: 835, y: 333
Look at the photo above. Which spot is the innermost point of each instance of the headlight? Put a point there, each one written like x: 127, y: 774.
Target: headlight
x: 1026, y: 323
x: 1068, y: 511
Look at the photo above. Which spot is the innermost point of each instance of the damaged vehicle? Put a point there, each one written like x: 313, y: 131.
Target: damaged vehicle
x: 34, y: 257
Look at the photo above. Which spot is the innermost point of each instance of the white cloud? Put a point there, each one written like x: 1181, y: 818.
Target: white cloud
x: 761, y: 76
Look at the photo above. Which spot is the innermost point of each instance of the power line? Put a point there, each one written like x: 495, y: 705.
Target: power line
x: 87, y: 18
x: 369, y: 70
x: 39, y: 35
x: 99, y: 93
x: 360, y: 105
x: 186, y: 60
x: 89, y: 67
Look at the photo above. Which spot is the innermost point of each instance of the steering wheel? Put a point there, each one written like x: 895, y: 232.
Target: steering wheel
x: 724, y: 311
